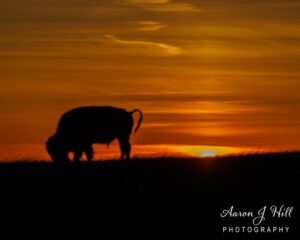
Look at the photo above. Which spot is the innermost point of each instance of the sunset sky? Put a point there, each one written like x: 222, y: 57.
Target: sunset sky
x: 204, y: 72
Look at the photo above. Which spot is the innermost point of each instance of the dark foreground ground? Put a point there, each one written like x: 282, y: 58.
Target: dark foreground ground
x: 169, y: 190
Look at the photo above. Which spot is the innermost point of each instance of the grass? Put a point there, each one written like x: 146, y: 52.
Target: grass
x: 150, y: 186
x: 159, y: 182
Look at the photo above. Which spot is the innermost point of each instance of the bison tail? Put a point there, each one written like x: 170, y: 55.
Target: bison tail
x: 140, y: 119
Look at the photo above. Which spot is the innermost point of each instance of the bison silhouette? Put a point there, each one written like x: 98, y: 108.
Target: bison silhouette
x: 81, y: 127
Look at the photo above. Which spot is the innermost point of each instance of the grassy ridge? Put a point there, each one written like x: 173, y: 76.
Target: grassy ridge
x: 182, y: 182
x: 159, y: 187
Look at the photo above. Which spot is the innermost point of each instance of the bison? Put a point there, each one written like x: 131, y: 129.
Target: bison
x: 81, y: 127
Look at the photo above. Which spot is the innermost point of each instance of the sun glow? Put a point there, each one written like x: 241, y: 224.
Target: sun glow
x: 210, y: 151
x: 207, y: 153
x: 37, y: 152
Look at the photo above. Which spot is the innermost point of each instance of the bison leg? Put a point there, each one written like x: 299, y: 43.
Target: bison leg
x: 89, y: 152
x: 125, y: 148
x: 77, y: 155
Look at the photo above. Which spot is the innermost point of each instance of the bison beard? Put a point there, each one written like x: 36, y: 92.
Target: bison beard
x: 81, y: 127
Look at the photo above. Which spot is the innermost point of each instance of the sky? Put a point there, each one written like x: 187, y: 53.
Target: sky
x: 217, y: 73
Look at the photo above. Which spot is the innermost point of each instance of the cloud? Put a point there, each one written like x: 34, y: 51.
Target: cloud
x: 171, y: 97
x: 173, y: 7
x: 150, y: 26
x: 164, y: 6
x: 148, y: 1
x: 164, y: 49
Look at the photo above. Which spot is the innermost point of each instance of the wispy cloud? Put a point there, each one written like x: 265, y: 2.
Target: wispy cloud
x: 149, y: 26
x: 164, y: 49
x: 164, y: 6
x: 173, y: 7
x: 148, y: 1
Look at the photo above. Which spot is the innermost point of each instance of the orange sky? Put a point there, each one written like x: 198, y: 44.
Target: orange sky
x: 205, y: 73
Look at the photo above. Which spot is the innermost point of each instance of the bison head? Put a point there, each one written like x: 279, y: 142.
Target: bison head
x: 57, y: 149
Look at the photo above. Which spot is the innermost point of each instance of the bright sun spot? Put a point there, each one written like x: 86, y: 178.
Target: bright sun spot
x: 207, y: 153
